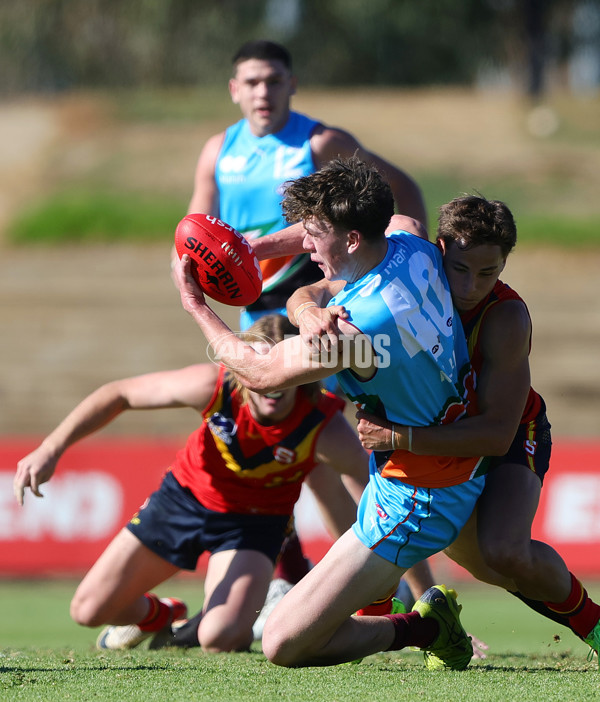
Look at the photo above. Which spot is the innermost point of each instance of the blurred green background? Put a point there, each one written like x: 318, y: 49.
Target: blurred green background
x: 106, y: 105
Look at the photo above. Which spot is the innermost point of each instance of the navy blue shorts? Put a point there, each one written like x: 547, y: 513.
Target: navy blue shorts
x: 175, y: 526
x: 531, y: 446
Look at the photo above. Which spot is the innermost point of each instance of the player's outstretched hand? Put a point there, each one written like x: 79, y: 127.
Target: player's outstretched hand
x: 192, y: 297
x: 375, y: 433
x: 33, y: 470
x: 479, y: 648
x: 319, y: 328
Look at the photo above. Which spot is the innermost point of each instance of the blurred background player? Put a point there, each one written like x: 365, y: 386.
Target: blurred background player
x: 230, y: 491
x: 239, y: 176
x: 240, y: 171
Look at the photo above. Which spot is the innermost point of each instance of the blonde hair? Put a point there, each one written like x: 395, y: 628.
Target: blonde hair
x: 270, y: 330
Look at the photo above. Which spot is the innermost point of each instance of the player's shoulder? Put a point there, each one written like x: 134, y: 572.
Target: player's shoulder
x: 506, y: 322
x: 330, y: 402
x: 508, y: 310
x: 216, y: 139
x: 408, y: 242
x: 328, y: 142
x: 212, y: 147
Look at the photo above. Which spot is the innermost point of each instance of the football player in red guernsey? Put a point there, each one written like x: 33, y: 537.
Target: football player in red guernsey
x: 230, y: 492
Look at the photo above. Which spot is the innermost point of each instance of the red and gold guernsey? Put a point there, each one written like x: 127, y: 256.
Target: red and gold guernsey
x: 472, y: 321
x: 231, y: 463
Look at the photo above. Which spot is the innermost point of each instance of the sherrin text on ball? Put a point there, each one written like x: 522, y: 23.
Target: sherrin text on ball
x: 223, y: 262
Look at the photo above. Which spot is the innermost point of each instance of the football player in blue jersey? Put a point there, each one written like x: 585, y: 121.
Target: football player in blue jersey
x: 403, y: 354
x: 476, y: 236
x: 239, y: 178
x: 240, y: 171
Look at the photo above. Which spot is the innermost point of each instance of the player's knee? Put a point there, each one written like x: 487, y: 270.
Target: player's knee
x: 224, y: 639
x: 278, y: 646
x: 506, y: 558
x: 84, y: 612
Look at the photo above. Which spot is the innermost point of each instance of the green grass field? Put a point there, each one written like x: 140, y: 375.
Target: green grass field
x: 88, y: 191
x: 45, y: 656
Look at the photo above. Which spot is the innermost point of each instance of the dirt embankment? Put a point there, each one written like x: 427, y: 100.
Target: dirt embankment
x: 73, y: 318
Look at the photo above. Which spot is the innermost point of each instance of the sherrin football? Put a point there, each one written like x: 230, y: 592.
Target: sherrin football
x: 223, y: 262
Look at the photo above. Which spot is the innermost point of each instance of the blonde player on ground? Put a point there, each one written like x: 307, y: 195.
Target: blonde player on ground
x: 230, y: 491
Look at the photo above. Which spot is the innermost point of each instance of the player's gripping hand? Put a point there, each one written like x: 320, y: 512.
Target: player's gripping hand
x: 319, y: 328
x: 33, y: 470
x: 192, y: 297
x: 375, y: 433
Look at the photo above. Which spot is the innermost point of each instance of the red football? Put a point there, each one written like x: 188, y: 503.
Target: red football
x: 223, y: 262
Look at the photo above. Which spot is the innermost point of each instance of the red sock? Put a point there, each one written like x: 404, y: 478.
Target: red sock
x: 159, y: 614
x: 291, y: 566
x: 376, y: 609
x: 581, y: 612
x: 412, y: 630
x: 379, y: 607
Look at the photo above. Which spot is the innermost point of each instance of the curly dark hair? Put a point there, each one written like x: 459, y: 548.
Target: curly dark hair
x: 472, y: 220
x: 346, y: 192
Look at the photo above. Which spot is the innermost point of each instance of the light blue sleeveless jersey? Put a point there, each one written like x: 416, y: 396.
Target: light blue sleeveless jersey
x: 250, y: 171
x: 404, y: 305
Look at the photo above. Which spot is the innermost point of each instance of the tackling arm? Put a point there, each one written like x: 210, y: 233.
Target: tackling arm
x: 285, y: 242
x: 503, y: 386
x: 341, y: 456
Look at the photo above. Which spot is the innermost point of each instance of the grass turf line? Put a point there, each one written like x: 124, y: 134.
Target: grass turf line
x: 44, y: 655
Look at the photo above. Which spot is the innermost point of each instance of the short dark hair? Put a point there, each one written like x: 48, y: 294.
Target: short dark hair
x: 472, y: 220
x: 264, y: 50
x: 346, y: 192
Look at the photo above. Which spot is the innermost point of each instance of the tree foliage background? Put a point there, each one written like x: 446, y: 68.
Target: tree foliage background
x: 54, y: 45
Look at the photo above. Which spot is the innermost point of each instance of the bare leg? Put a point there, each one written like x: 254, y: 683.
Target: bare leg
x: 313, y: 625
x: 506, y: 556
x: 113, y: 590
x: 466, y: 552
x: 506, y: 511
x: 419, y: 578
x: 235, y: 589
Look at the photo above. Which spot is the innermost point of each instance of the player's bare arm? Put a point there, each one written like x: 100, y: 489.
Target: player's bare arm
x: 186, y: 387
x: 407, y: 224
x: 285, y: 242
x: 336, y: 505
x: 337, y: 483
x: 205, y: 198
x: 310, y: 296
x: 502, y: 391
x: 286, y: 364
x: 328, y: 143
x: 288, y: 241
x: 318, y: 324
x: 339, y: 447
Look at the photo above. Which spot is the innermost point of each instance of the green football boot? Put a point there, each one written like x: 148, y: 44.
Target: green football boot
x: 593, y: 640
x: 452, y: 649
